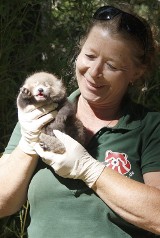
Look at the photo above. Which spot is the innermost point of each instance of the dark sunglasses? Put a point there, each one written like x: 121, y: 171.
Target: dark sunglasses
x: 130, y: 23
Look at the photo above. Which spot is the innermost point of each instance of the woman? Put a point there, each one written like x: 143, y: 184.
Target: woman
x: 110, y: 188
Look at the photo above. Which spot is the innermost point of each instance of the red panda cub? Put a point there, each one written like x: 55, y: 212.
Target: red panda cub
x: 44, y: 88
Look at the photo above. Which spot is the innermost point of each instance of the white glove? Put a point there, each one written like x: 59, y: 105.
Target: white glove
x: 31, y: 123
x: 75, y: 163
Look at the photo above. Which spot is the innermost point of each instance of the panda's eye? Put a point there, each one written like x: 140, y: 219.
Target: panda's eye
x: 36, y: 83
x: 47, y: 84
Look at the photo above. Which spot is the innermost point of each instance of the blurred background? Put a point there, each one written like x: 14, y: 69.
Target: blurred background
x: 43, y: 35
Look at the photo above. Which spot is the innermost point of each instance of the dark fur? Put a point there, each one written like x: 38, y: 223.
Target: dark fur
x: 53, y: 91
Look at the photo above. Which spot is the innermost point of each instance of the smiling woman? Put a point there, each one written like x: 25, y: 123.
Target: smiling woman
x: 115, y: 65
x: 109, y: 187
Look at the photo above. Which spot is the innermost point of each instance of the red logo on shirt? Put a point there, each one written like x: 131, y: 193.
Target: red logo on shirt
x: 117, y: 161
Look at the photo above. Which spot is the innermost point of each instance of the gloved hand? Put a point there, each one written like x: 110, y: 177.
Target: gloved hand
x: 75, y: 163
x: 31, y: 123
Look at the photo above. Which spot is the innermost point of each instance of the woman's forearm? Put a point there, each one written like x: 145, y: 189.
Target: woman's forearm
x: 137, y: 203
x: 15, y: 174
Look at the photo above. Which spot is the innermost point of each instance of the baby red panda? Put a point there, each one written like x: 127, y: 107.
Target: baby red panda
x: 44, y: 88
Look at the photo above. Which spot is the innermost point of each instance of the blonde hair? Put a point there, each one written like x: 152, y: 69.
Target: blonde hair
x: 142, y: 56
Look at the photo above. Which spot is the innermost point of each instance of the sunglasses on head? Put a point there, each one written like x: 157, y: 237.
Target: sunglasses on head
x: 128, y: 22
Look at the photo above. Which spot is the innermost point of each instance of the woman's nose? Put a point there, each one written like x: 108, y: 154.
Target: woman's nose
x: 96, y: 69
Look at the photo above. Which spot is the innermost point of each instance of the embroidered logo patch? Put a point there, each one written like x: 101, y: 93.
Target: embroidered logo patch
x: 117, y: 161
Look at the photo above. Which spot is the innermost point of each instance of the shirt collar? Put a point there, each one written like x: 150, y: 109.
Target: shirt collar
x: 125, y: 123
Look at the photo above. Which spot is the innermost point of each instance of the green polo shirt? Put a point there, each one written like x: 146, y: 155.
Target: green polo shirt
x: 67, y: 208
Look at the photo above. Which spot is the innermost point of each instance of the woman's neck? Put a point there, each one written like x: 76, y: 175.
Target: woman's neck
x: 104, y: 113
x: 95, y: 117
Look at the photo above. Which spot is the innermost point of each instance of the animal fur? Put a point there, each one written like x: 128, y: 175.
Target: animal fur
x: 44, y: 88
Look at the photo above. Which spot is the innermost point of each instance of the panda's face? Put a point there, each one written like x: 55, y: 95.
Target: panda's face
x: 41, y: 92
x: 44, y: 86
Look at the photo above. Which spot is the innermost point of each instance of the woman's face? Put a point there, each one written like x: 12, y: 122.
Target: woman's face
x: 104, y: 68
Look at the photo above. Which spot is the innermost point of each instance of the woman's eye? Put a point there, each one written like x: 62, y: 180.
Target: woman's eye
x: 90, y: 56
x: 110, y: 66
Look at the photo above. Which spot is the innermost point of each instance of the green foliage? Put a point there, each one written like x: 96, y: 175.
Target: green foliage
x: 15, y: 225
x: 20, y: 50
x: 42, y: 35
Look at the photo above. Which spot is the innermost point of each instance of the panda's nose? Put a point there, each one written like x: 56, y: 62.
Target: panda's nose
x: 40, y: 90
